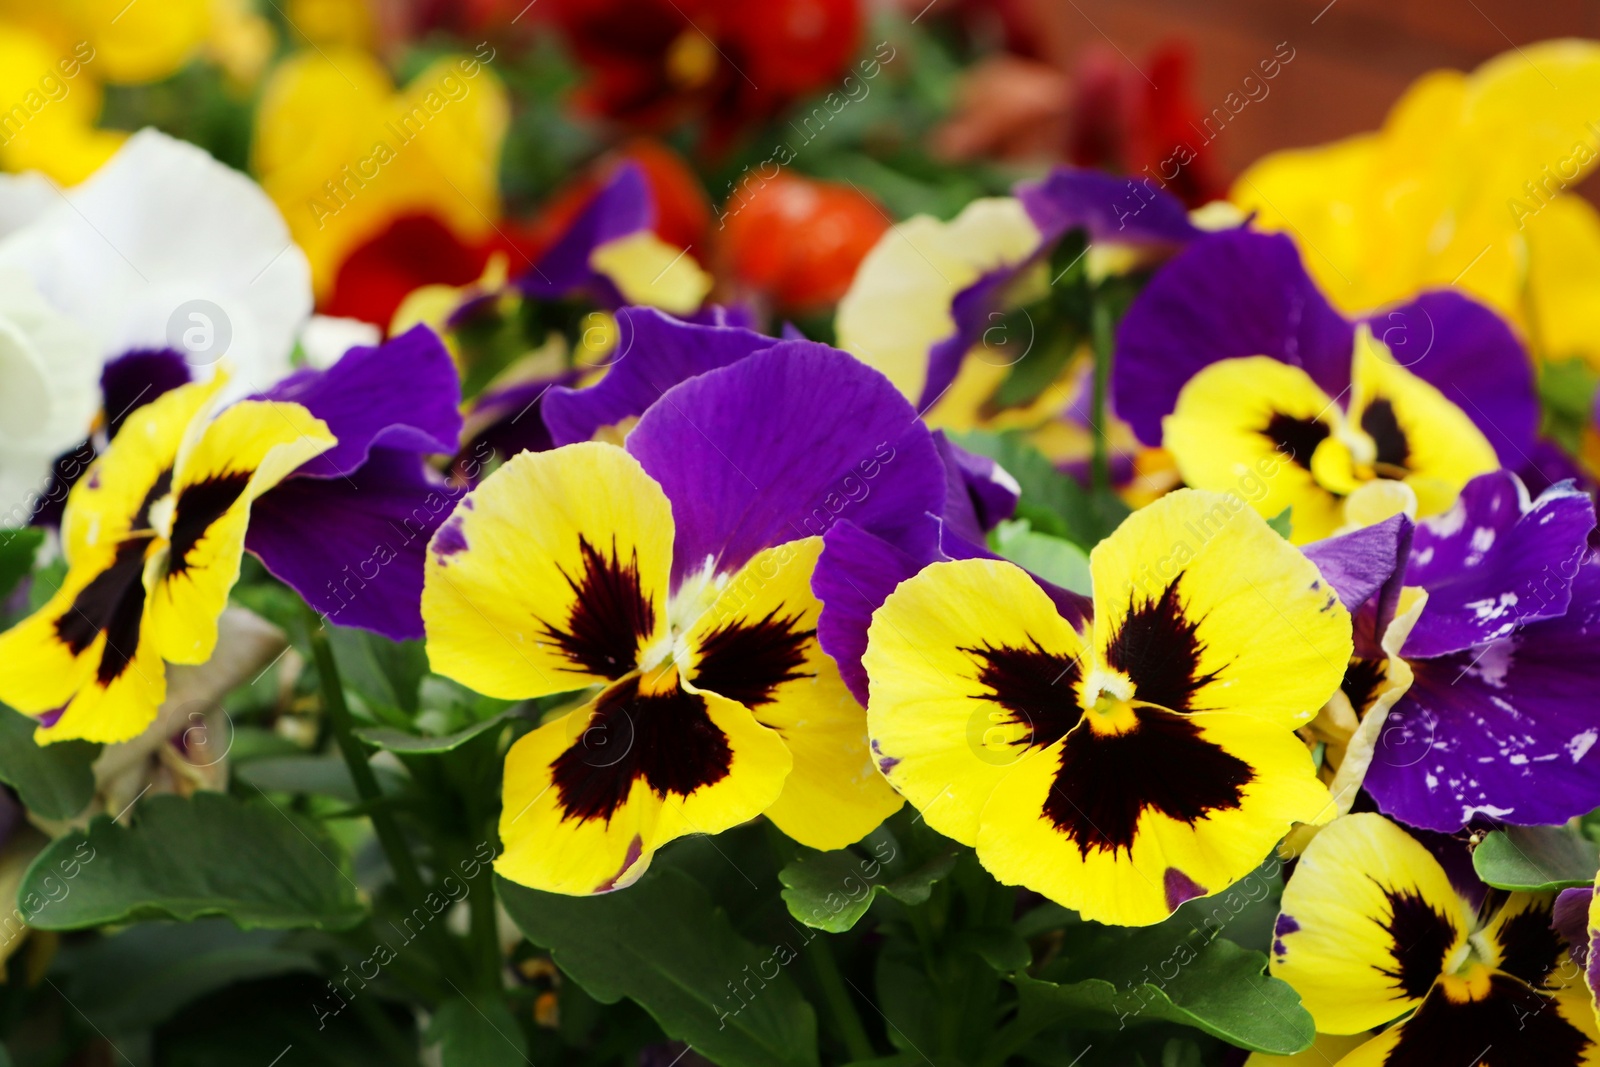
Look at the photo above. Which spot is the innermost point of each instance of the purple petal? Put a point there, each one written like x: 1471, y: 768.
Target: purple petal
x: 1357, y: 564
x: 855, y: 574
x: 1470, y: 355
x: 1495, y: 561
x: 1110, y: 208
x: 1546, y: 464
x: 1226, y: 295
x: 506, y: 421
x: 781, y: 445
x: 974, y: 310
x: 622, y: 206
x: 135, y: 378
x: 654, y: 353
x: 1570, y: 918
x: 402, y: 394
x: 353, y: 547
x: 1508, y: 730
x: 979, y: 494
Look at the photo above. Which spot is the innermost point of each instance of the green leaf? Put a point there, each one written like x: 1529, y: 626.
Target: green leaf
x: 832, y: 890
x: 1536, y: 859
x: 210, y: 854
x: 477, y: 1034
x: 417, y: 744
x: 1000, y: 947
x: 662, y: 943
x: 1216, y: 987
x: 55, y: 781
x: 320, y: 775
x: 385, y: 675
x: 18, y: 549
x: 1282, y: 523
x: 142, y: 975
x: 1051, y: 502
x: 1051, y: 558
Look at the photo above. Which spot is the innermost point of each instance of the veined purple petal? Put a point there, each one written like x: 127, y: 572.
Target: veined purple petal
x: 622, y: 206
x: 1111, y: 208
x: 1226, y: 295
x: 402, y: 394
x: 979, y: 494
x: 1570, y: 918
x: 1470, y: 355
x: 1507, y: 730
x: 781, y: 445
x: 1359, y: 563
x: 1495, y: 561
x: 353, y: 546
x: 654, y: 353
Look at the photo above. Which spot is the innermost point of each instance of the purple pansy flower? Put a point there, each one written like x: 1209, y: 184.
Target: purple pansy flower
x: 348, y: 530
x: 1498, y: 720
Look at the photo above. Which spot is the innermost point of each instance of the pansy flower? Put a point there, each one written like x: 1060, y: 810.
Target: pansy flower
x: 674, y: 574
x: 153, y: 538
x: 1373, y: 930
x: 146, y: 274
x: 1477, y: 704
x: 161, y: 232
x: 1234, y: 361
x: 1125, y: 765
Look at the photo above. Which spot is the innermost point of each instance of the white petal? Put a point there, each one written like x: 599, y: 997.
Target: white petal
x: 164, y: 243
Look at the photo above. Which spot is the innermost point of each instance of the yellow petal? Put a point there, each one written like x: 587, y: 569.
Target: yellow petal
x: 898, y: 306
x: 1200, y: 606
x: 551, y: 575
x: 1252, y: 426
x: 589, y: 797
x: 245, y: 451
x: 1369, y: 921
x: 970, y: 668
x: 1123, y: 828
x: 757, y: 644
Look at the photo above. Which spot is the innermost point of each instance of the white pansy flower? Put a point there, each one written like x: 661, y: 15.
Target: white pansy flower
x: 164, y: 247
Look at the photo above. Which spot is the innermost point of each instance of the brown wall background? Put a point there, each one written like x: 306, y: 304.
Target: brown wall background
x: 1353, y: 58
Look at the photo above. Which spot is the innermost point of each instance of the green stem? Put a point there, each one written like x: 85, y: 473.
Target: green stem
x: 390, y: 838
x: 1100, y: 326
x: 483, y: 935
x: 840, y: 1006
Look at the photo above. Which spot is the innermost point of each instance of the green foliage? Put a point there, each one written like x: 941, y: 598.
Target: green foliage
x: 665, y: 945
x: 186, y: 858
x: 832, y: 890
x: 1052, y: 558
x: 1213, y: 986
x: 1052, y: 503
x: 18, y: 549
x: 55, y: 781
x: 1536, y: 859
x: 477, y: 1033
